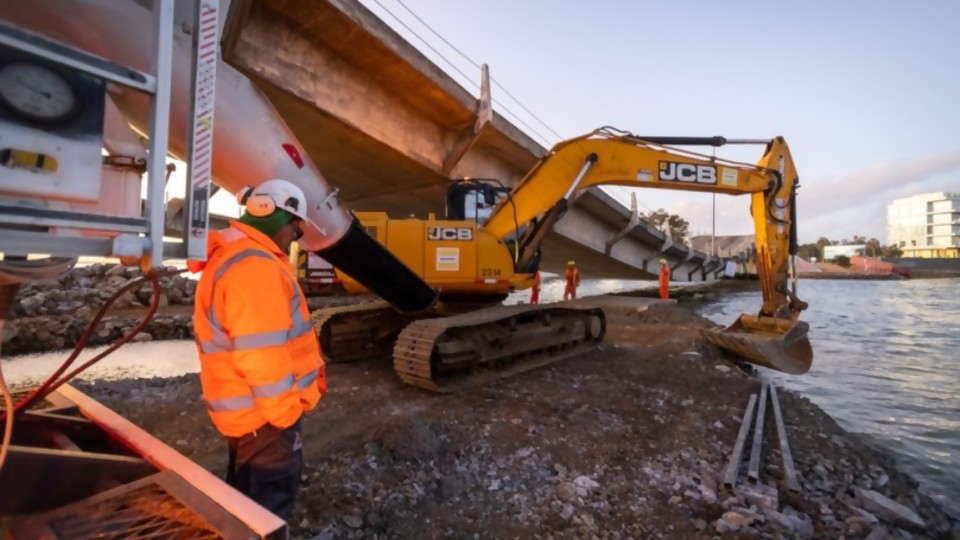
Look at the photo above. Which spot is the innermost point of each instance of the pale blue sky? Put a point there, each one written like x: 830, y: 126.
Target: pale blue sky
x: 867, y: 94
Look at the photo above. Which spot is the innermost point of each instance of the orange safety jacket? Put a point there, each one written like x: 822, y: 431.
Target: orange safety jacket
x: 260, y: 359
x: 535, y: 290
x: 664, y: 282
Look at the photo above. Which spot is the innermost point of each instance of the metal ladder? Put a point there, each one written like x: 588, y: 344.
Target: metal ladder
x: 141, y: 237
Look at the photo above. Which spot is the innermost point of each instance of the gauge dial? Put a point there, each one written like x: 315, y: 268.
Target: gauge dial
x: 36, y: 92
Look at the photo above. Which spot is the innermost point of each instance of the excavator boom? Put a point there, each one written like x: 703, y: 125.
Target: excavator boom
x: 773, y: 337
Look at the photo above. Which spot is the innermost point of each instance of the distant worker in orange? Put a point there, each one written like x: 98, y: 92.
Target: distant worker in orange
x: 573, y: 281
x: 260, y: 363
x: 535, y: 290
x: 664, y: 280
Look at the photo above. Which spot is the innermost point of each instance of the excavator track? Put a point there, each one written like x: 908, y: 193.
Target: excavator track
x: 358, y: 332
x: 447, y: 354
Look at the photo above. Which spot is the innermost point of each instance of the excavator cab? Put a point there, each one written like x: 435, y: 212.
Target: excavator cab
x: 473, y: 199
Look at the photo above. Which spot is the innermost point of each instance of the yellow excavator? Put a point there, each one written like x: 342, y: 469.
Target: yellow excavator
x: 468, y: 336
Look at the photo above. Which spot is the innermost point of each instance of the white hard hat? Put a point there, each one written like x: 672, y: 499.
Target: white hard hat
x: 264, y: 199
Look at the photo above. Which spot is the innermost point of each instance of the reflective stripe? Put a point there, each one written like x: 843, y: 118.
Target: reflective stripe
x: 221, y: 342
x: 256, y: 341
x: 264, y: 391
x: 307, y: 380
x: 301, y: 329
x: 238, y: 403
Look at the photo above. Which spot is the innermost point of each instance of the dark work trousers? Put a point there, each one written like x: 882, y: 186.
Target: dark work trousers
x: 266, y: 465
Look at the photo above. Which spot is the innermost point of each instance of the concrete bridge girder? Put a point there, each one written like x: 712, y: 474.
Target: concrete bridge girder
x: 593, y: 220
x: 343, y: 62
x: 380, y: 120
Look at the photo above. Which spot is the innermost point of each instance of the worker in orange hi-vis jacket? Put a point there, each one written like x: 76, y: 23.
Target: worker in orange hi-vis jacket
x: 573, y: 281
x: 664, y: 280
x: 535, y: 290
x: 260, y: 362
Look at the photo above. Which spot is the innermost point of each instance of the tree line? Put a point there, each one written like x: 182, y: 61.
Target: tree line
x: 677, y: 227
x: 873, y: 248
x: 679, y: 230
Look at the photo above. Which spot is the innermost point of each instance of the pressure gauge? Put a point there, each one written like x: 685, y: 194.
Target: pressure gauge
x: 35, y: 92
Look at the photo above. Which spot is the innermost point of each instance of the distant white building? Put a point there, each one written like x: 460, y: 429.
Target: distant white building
x: 926, y: 225
x: 831, y: 252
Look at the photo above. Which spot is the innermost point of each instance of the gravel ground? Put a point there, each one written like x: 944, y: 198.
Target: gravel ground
x: 628, y: 441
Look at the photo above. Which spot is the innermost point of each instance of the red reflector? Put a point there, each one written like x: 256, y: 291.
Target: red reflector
x: 294, y: 154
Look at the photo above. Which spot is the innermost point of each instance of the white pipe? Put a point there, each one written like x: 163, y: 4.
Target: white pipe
x: 249, y: 133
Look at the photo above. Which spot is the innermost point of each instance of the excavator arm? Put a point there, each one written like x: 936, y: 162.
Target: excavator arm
x: 774, y: 337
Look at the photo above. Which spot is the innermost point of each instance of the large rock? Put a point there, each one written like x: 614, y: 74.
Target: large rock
x: 732, y: 522
x: 31, y: 305
x: 765, y: 497
x: 889, y: 510
x: 409, y: 437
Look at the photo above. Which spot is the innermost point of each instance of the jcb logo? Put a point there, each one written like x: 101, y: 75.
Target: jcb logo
x: 456, y: 234
x: 688, y: 172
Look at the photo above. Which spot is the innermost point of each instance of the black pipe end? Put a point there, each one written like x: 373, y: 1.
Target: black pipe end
x: 361, y: 257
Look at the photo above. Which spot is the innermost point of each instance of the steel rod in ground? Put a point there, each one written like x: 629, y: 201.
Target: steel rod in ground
x: 788, y: 470
x: 753, y: 472
x: 733, y: 467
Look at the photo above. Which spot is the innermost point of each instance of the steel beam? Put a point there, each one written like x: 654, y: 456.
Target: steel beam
x: 733, y: 466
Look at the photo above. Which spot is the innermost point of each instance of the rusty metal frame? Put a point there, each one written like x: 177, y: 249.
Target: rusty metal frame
x: 159, y: 505
x: 63, y: 460
x: 45, y: 478
x: 260, y: 520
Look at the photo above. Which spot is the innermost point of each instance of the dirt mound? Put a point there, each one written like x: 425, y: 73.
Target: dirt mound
x: 409, y: 437
x: 671, y: 314
x: 659, y: 329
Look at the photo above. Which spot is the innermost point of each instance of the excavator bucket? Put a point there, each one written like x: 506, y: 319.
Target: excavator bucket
x: 768, y: 342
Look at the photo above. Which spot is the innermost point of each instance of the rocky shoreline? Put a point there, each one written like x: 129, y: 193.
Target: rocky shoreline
x: 628, y: 441
x: 53, y: 316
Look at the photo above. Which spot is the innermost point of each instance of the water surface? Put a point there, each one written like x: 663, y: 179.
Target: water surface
x: 886, y: 364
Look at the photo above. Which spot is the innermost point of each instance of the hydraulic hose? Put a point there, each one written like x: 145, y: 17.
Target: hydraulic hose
x: 8, y: 421
x: 7, y: 292
x: 55, y: 380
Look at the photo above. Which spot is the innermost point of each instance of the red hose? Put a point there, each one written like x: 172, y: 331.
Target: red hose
x: 52, y: 382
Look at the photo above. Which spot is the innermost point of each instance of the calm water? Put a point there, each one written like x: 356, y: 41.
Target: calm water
x: 886, y: 364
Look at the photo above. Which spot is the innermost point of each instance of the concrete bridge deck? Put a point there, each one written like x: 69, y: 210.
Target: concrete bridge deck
x: 389, y: 128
